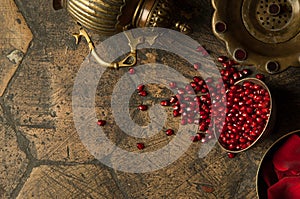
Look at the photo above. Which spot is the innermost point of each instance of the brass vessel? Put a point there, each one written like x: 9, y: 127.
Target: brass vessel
x: 109, y: 17
x: 265, y: 33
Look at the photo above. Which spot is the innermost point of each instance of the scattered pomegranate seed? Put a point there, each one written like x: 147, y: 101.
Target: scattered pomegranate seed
x: 140, y: 146
x: 141, y: 87
x: 246, y: 113
x: 172, y: 84
x: 222, y: 59
x: 143, y: 107
x: 131, y: 71
x: 169, y: 132
x: 165, y: 103
x: 231, y: 155
x: 101, y: 122
x: 260, y: 76
x: 143, y: 93
x: 197, y: 66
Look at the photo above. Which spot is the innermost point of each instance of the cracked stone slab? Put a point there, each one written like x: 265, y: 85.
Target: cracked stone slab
x: 15, y: 37
x: 61, y: 144
x: 77, y: 181
x: 13, y: 160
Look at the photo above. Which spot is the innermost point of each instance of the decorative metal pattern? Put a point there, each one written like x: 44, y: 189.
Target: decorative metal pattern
x: 112, y: 16
x: 265, y: 33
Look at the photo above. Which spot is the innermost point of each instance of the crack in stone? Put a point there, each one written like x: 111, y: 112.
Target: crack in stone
x: 23, y: 144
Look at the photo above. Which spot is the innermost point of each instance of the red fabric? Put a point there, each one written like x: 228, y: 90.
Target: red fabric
x: 286, y: 188
x: 282, y: 175
x: 287, y: 157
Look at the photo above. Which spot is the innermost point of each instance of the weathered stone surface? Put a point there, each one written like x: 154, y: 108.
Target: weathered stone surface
x: 80, y: 181
x: 38, y: 100
x: 56, y: 144
x: 15, y: 37
x: 13, y: 160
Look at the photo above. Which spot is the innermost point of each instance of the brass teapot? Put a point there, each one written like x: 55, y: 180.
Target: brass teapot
x: 109, y: 17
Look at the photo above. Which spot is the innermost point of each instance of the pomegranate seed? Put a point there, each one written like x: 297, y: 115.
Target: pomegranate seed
x: 131, y: 71
x: 101, y: 122
x: 143, y: 107
x: 143, y: 93
x: 140, y: 146
x: 260, y: 76
x: 232, y: 62
x: 181, y: 91
x: 246, y: 72
x: 170, y: 132
x: 172, y: 84
x: 141, y: 87
x: 176, y: 113
x: 173, y: 99
x: 197, y: 79
x: 231, y: 155
x: 183, y: 122
x: 197, y: 66
x: 222, y: 59
x: 226, y: 64
x: 165, y: 103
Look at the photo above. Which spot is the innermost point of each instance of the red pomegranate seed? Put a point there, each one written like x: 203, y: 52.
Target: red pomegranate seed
x: 222, y: 59
x: 184, y: 122
x: 227, y: 65
x: 197, y: 66
x: 260, y: 76
x: 231, y: 155
x: 101, y: 122
x: 131, y: 71
x: 176, y: 113
x: 140, y: 146
x: 143, y: 107
x: 141, y: 87
x: 165, y: 103
x: 173, y: 99
x: 197, y: 79
x: 172, y: 84
x: 170, y: 132
x: 246, y: 72
x: 143, y: 93
x: 181, y: 91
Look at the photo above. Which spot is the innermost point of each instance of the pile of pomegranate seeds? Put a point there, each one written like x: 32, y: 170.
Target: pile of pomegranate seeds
x: 248, y: 112
x: 247, y: 107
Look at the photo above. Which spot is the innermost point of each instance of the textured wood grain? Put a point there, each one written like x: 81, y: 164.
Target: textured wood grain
x: 44, y: 157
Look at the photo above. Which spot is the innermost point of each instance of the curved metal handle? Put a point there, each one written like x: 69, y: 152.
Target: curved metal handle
x: 129, y: 61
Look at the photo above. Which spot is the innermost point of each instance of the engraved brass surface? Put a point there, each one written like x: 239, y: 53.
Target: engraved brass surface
x: 268, y: 31
x: 109, y: 17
